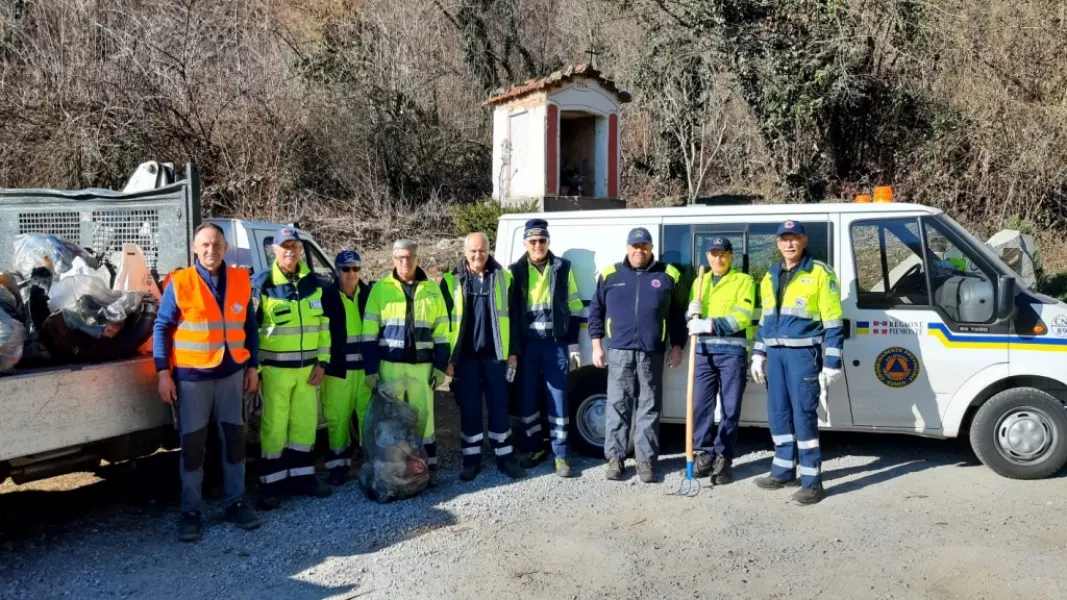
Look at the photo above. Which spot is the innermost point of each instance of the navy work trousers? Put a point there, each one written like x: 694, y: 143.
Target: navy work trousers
x: 792, y: 412
x: 473, y: 378
x: 544, y: 365
x: 718, y: 374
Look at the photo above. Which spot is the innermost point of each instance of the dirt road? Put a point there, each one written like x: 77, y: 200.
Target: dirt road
x: 906, y: 518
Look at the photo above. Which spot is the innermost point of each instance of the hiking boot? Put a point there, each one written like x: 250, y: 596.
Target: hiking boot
x: 469, y: 473
x: 189, y: 528
x: 813, y: 495
x: 770, y: 483
x: 702, y: 465
x: 723, y: 471
x: 315, y: 489
x: 241, y: 514
x: 512, y: 469
x: 433, y: 479
x: 531, y: 460
x: 615, y: 469
x: 563, y: 468
x: 337, y: 477
x: 645, y: 472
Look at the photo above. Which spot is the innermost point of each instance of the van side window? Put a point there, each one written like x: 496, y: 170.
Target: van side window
x: 963, y: 291
x: 762, y: 248
x: 889, y: 266
x: 755, y: 247
x: 268, y: 251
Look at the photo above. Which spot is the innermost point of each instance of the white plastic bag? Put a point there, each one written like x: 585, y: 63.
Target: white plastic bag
x: 35, y: 250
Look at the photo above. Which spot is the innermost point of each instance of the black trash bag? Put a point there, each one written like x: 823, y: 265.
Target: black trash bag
x: 395, y: 465
x: 71, y: 345
x: 12, y: 339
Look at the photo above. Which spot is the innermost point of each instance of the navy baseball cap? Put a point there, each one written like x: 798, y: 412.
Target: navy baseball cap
x: 347, y: 257
x: 791, y: 226
x: 287, y: 234
x: 720, y: 243
x: 638, y: 235
x: 535, y: 228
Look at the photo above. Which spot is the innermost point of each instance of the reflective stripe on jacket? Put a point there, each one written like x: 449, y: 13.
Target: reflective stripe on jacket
x: 385, y: 324
x: 452, y: 288
x: 205, y: 331
x: 730, y: 304
x: 294, y: 331
x: 810, y: 314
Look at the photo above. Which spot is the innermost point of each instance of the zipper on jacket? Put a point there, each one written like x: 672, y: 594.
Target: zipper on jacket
x: 637, y: 300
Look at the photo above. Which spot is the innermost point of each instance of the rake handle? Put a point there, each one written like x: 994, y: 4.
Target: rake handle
x: 689, y: 388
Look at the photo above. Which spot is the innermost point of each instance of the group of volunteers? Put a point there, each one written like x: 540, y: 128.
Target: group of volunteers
x: 220, y: 334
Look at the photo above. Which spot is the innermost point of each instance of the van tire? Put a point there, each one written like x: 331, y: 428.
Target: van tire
x: 1021, y: 433
x: 588, y: 385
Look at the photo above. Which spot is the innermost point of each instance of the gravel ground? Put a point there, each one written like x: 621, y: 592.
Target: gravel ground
x: 907, y: 518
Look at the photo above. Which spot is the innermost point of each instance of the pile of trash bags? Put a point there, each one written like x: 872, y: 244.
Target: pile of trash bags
x: 61, y: 304
x: 395, y: 465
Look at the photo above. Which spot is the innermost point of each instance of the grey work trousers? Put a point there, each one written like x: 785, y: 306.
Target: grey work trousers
x: 634, y: 382
x: 196, y: 402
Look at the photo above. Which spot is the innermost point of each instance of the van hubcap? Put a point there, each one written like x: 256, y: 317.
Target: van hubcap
x: 591, y: 415
x: 1025, y: 435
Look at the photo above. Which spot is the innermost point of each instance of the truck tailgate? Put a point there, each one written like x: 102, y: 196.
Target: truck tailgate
x: 75, y: 405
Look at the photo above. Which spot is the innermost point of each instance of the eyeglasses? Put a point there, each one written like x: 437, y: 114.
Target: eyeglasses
x: 537, y: 241
x: 405, y: 258
x: 348, y: 269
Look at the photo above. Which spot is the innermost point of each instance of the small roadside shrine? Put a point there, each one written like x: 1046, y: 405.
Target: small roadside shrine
x: 556, y: 140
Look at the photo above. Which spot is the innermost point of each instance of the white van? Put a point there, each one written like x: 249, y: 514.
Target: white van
x: 941, y: 339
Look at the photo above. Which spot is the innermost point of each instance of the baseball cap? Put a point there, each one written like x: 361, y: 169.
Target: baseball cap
x: 346, y: 257
x: 287, y: 234
x: 720, y: 243
x: 638, y: 235
x: 791, y: 226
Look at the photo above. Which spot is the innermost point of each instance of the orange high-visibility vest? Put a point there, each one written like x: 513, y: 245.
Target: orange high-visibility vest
x: 204, y: 332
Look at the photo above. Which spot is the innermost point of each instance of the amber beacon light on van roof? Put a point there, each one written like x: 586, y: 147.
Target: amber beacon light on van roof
x: 882, y: 194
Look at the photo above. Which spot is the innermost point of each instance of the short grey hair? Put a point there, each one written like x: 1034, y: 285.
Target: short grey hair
x: 406, y: 245
x: 466, y: 240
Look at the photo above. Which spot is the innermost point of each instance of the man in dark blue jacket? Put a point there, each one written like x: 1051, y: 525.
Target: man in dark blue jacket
x: 635, y: 309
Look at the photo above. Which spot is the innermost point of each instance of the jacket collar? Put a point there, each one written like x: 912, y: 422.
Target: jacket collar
x: 279, y: 278
x: 207, y: 274
x: 649, y: 267
x: 420, y: 275
x: 462, y: 268
x: 806, y: 264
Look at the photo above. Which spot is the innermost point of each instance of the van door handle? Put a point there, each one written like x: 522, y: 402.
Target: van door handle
x: 848, y: 328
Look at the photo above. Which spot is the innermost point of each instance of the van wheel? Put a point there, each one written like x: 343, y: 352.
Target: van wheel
x: 1021, y: 433
x: 588, y: 401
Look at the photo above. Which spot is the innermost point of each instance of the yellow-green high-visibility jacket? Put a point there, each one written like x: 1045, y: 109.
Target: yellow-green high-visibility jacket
x: 402, y: 330
x: 294, y: 331
x: 453, y: 287
x: 550, y: 303
x: 810, y: 314
x: 730, y: 304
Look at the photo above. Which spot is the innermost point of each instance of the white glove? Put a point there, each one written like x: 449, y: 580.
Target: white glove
x: 694, y: 309
x: 758, y: 372
x: 826, y: 378
x: 699, y: 326
x: 574, y: 355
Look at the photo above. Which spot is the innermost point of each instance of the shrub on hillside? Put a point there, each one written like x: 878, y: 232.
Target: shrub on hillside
x: 483, y: 216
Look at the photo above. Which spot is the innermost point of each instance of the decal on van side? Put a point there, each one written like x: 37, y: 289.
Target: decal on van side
x: 896, y: 367
x: 890, y: 327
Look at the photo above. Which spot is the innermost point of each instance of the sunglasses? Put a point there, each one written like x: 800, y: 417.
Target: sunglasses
x: 348, y: 269
x: 537, y: 241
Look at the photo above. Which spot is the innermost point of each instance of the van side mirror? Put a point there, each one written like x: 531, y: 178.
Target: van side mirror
x: 1005, y: 297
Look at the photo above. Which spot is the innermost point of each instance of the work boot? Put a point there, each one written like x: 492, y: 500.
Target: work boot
x: 189, y: 529
x: 770, y: 483
x: 723, y: 471
x: 531, y: 460
x: 512, y: 469
x: 433, y: 478
x: 615, y: 469
x: 813, y: 495
x: 563, y: 468
x: 645, y: 472
x: 241, y: 514
x: 702, y: 465
x: 470, y: 472
x: 337, y: 477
